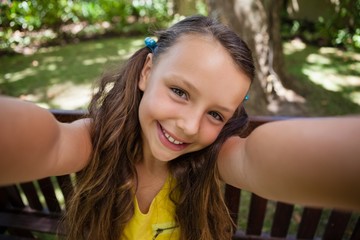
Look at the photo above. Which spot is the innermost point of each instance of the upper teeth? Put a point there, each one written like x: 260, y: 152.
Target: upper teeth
x: 171, y: 139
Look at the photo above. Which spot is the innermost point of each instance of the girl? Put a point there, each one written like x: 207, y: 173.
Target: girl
x: 164, y: 131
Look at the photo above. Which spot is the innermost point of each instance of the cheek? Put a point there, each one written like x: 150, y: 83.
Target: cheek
x: 154, y: 104
x: 209, y: 133
x: 145, y: 109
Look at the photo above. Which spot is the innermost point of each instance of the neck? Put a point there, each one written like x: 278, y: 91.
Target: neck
x: 151, y: 177
x: 152, y: 167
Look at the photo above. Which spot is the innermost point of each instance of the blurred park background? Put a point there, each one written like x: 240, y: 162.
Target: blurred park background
x: 307, y: 52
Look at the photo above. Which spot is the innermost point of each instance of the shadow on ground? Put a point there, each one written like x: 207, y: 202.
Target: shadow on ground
x: 328, y: 78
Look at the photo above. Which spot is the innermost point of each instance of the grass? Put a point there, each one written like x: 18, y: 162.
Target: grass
x: 62, y: 76
x: 328, y: 78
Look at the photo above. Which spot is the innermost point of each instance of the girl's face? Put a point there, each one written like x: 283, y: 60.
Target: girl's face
x: 189, y: 95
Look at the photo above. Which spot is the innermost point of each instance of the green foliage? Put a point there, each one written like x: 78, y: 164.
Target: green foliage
x: 152, y: 9
x: 340, y: 30
x: 344, y: 27
x: 201, y: 7
x: 124, y: 16
x: 35, y: 14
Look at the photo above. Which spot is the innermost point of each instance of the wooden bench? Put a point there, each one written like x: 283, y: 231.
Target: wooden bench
x: 33, y: 210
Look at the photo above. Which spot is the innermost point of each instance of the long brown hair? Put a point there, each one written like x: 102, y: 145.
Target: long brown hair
x: 102, y: 203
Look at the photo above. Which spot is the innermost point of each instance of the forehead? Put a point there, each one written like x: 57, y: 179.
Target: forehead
x: 206, y: 64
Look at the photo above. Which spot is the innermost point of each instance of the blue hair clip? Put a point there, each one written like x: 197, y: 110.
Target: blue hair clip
x: 151, y: 44
x: 247, y: 97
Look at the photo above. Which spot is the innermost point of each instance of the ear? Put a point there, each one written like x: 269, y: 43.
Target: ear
x: 145, y: 72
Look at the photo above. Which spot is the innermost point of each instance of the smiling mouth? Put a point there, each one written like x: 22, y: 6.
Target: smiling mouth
x: 171, y: 139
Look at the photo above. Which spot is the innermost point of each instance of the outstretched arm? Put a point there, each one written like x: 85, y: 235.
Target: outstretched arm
x: 315, y: 162
x: 34, y: 145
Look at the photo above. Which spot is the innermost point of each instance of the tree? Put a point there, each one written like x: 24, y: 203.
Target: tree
x: 185, y: 7
x: 258, y: 23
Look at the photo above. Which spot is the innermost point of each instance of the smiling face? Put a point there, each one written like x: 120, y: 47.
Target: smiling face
x: 189, y: 94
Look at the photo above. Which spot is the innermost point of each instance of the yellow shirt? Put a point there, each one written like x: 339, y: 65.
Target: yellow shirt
x: 158, y: 223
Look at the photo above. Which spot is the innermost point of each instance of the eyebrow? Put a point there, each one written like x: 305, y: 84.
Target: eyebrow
x: 192, y: 88
x: 184, y: 81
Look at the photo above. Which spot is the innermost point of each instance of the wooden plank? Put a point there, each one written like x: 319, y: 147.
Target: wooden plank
x: 239, y: 235
x: 48, y: 191
x: 281, y: 221
x: 309, y: 222
x: 66, y: 186
x: 10, y: 198
x: 3, y: 197
x: 20, y: 233
x: 336, y: 225
x: 10, y: 195
x: 7, y: 237
x: 356, y: 232
x: 4, y: 203
x: 33, y: 222
x: 31, y: 195
x: 256, y: 215
x: 68, y: 115
x: 14, y: 196
x: 232, y: 200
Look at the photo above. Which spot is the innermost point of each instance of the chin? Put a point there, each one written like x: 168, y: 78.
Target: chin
x: 164, y: 156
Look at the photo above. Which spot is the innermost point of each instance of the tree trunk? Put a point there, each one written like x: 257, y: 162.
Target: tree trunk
x: 258, y: 23
x: 185, y: 7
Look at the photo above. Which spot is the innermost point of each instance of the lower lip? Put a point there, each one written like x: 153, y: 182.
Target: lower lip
x: 166, y: 143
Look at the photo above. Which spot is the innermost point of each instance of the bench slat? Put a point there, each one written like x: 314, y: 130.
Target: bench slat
x: 281, y: 220
x: 335, y: 228
x: 309, y: 222
x: 67, y: 115
x: 256, y: 215
x: 31, y: 195
x: 7, y: 237
x: 11, y: 195
x: 232, y: 200
x: 356, y: 233
x: 21, y: 233
x: 33, y: 222
x: 66, y: 186
x: 48, y: 191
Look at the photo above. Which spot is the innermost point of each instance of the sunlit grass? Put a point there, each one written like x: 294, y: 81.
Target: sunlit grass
x: 328, y: 78
x: 63, y: 76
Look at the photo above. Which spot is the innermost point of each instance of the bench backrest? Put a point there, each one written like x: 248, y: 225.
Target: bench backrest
x: 28, y: 210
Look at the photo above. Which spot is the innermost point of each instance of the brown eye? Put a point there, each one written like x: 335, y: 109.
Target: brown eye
x: 216, y: 116
x: 181, y: 93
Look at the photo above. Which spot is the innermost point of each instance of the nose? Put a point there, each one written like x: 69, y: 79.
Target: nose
x: 189, y: 123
